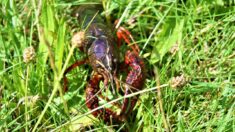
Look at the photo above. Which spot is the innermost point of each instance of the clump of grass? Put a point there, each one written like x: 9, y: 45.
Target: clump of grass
x: 189, y: 38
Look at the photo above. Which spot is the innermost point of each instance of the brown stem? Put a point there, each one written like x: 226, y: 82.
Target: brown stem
x: 166, y: 124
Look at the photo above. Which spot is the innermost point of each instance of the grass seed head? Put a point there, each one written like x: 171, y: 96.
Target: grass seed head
x: 174, y: 49
x: 78, y: 38
x: 178, y: 81
x: 28, y: 54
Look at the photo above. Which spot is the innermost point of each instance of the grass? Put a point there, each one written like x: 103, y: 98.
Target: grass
x: 188, y: 48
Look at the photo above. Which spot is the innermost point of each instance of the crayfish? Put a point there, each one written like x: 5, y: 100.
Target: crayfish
x: 101, y: 49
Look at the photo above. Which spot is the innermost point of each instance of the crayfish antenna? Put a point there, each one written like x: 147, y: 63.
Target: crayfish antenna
x: 112, y: 83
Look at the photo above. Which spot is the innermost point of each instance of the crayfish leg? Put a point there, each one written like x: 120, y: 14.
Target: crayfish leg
x: 134, y: 81
x: 70, y: 68
x: 124, y: 34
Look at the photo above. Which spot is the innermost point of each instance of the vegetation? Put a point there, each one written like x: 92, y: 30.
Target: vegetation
x: 188, y: 48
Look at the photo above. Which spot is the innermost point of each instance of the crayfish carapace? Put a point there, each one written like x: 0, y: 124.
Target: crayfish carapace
x: 101, y: 49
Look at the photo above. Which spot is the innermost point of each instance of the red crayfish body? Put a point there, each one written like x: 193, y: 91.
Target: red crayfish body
x: 101, y: 49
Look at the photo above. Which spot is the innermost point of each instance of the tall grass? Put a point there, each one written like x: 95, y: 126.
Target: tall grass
x: 188, y: 48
